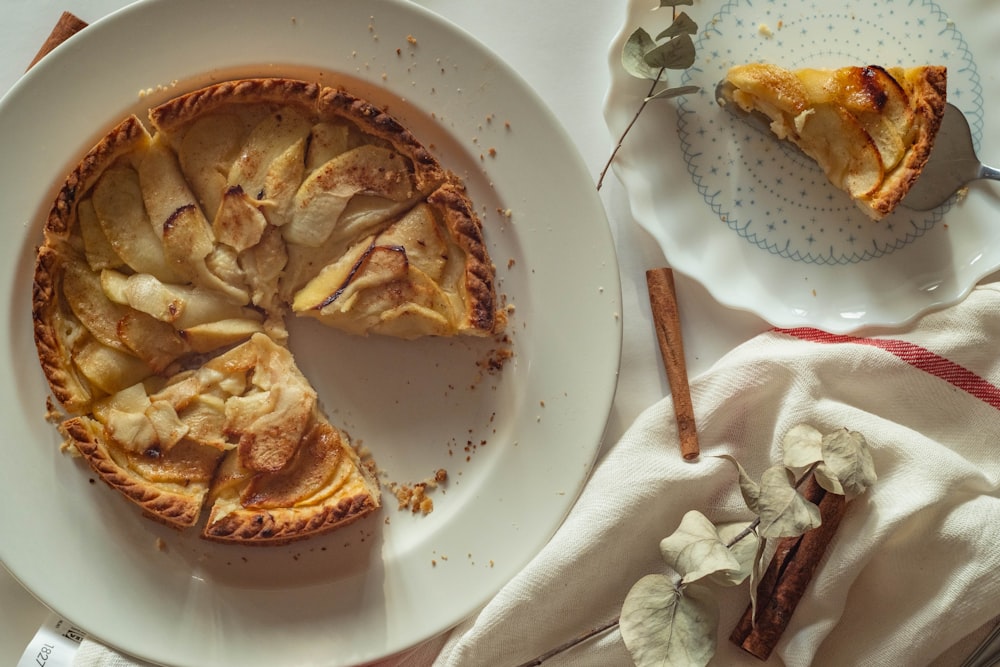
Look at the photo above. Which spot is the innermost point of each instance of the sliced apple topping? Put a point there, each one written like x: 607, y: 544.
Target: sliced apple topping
x: 238, y: 223
x: 108, y: 369
x: 95, y: 311
x: 326, y: 141
x: 98, y: 250
x: 313, y: 468
x: 326, y: 192
x: 207, y: 152
x: 186, y: 465
x: 220, y: 333
x: 839, y: 144
x: 118, y: 202
x: 138, y: 424
x: 268, y: 140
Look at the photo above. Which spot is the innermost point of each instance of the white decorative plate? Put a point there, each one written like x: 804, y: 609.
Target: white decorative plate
x: 517, y: 445
x: 756, y: 222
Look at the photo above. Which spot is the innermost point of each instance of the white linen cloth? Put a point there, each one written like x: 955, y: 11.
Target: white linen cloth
x: 914, y: 566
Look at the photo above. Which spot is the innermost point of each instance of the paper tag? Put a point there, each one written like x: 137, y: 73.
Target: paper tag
x: 54, y: 645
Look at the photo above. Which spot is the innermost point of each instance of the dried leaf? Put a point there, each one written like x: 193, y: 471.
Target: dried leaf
x: 784, y: 512
x: 802, y: 446
x: 847, y: 459
x: 682, y: 25
x: 670, y: 93
x: 677, y: 53
x: 748, y: 487
x: 744, y: 550
x: 665, y: 624
x: 634, y: 53
x: 695, y: 549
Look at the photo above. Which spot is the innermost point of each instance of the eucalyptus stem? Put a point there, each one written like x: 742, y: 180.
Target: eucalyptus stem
x: 635, y: 118
x: 573, y: 642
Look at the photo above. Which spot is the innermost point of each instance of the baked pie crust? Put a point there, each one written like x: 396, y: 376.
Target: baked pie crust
x: 171, y: 258
x: 870, y: 128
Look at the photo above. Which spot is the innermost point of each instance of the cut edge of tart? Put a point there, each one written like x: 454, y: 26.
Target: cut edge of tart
x: 870, y: 129
x: 172, y: 256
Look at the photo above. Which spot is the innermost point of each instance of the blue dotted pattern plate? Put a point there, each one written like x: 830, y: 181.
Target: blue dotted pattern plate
x: 759, y: 223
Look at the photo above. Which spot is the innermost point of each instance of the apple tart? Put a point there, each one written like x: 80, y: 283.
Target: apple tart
x: 870, y: 129
x: 172, y: 256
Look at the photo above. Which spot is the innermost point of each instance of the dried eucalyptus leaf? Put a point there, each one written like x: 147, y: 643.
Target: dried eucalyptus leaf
x: 828, y: 479
x: 847, y: 458
x: 784, y: 512
x: 802, y: 446
x: 676, y: 53
x: 748, y: 487
x: 670, y: 93
x: 634, y: 53
x: 682, y: 25
x: 695, y: 549
x: 744, y: 550
x: 666, y: 625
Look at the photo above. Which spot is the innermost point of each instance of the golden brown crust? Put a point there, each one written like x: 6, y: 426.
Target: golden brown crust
x: 339, y: 102
x: 927, y: 89
x: 467, y: 230
x: 181, y: 110
x: 53, y: 350
x: 176, y: 509
x: 281, y: 526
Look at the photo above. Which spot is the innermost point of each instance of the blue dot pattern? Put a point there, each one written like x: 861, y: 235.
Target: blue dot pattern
x: 766, y: 191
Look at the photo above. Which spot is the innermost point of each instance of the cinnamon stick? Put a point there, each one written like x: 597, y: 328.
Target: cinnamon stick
x: 667, y: 322
x: 67, y: 26
x: 788, y: 575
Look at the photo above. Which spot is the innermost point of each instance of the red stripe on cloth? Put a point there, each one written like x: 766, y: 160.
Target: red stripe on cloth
x: 916, y: 356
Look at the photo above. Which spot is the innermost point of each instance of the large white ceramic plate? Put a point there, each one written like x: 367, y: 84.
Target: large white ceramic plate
x: 517, y: 445
x: 756, y: 223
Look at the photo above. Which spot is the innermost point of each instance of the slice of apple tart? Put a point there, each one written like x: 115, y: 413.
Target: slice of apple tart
x: 173, y: 254
x: 870, y: 129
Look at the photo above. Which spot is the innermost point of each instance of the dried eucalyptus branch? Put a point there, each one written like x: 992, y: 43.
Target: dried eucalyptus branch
x: 647, y: 58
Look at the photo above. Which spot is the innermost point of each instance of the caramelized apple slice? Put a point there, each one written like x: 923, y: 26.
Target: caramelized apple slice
x: 108, y: 369
x: 220, y: 333
x: 184, y: 306
x: 882, y: 107
x: 851, y: 161
x: 155, y: 342
x: 282, y: 180
x: 206, y: 154
x: 238, y: 222
x: 97, y: 248
x: 269, y: 139
x: 326, y: 141
x: 419, y: 233
x: 772, y: 90
x: 324, y: 195
x: 186, y: 465
x: 314, y: 467
x: 122, y: 214
x: 83, y: 293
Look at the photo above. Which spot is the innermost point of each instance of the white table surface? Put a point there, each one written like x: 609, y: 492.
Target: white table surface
x: 560, y: 47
